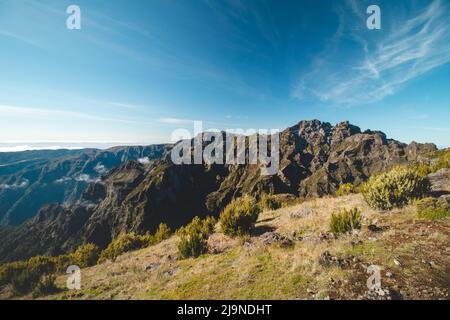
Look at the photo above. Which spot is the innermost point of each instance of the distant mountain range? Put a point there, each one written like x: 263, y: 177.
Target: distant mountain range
x: 98, y: 194
x: 30, y: 179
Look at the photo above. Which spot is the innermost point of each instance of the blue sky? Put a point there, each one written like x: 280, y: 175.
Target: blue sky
x: 137, y: 70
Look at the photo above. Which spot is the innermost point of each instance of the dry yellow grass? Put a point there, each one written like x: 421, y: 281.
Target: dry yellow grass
x: 233, y: 270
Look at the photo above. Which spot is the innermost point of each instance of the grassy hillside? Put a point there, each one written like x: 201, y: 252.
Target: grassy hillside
x: 285, y: 259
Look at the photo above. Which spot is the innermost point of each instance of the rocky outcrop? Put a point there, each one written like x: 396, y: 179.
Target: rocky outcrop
x: 315, y: 158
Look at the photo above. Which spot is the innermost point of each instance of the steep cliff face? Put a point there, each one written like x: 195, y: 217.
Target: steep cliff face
x: 315, y: 158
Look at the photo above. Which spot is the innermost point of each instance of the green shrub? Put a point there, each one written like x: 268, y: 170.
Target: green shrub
x: 395, y: 188
x: 25, y: 281
x: 194, y: 236
x: 25, y: 275
x: 9, y: 270
x: 123, y: 243
x: 437, y: 160
x: 85, y: 256
x: 45, y: 286
x: 270, y: 202
x: 63, y: 262
x: 239, y: 217
x: 345, y: 189
x: 441, y: 161
x: 422, y: 169
x: 432, y: 209
x: 42, y: 264
x: 345, y: 221
x: 162, y: 233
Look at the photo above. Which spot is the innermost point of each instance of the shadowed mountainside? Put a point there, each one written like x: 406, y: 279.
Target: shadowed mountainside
x: 315, y: 158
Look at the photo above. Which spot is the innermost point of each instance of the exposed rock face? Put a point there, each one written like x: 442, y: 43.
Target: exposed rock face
x: 315, y: 158
x: 440, y: 181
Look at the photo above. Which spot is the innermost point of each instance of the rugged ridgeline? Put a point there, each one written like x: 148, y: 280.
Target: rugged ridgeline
x: 315, y: 158
x: 30, y: 179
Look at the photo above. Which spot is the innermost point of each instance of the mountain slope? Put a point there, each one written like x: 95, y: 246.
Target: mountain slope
x: 30, y: 179
x: 315, y: 158
x: 411, y: 253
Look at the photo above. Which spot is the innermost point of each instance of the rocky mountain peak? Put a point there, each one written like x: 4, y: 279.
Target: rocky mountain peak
x: 315, y: 158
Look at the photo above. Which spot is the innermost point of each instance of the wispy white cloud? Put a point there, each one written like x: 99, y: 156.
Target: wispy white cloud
x: 379, y: 68
x: 86, y: 178
x: 144, y: 160
x: 176, y: 121
x: 17, y: 185
x: 39, y: 112
x: 21, y: 148
x: 18, y: 37
x: 100, y: 168
x: 126, y: 105
x: 439, y: 129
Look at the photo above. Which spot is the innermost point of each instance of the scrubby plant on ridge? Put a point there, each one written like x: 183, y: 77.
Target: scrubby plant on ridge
x: 123, y: 243
x: 345, y: 221
x: 269, y: 202
x: 85, y: 256
x: 345, y: 189
x: 395, y: 188
x: 194, y: 236
x: 239, y: 217
x: 36, y: 272
x: 439, y: 160
x: 45, y: 286
x: 131, y: 241
x: 432, y: 209
x: 162, y: 233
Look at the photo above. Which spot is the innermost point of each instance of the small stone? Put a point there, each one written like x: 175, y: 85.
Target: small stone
x: 374, y: 228
x: 151, y: 266
x: 397, y: 263
x: 389, y: 274
x: 304, y: 212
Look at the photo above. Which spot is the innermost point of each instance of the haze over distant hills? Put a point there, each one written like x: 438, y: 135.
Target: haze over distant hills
x: 30, y: 179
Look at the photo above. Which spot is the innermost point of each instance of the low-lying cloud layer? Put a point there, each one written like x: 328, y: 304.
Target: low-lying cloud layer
x: 17, y: 185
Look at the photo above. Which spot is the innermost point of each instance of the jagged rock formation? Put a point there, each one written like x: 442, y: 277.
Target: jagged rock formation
x: 315, y: 158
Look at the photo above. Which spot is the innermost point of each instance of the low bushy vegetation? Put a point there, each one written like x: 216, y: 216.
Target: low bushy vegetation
x: 131, y: 241
x: 85, y: 256
x: 46, y: 286
x: 270, y: 202
x: 345, y: 221
x: 194, y: 237
x: 345, y: 189
x: 24, y: 276
x: 395, y: 188
x: 239, y: 217
x: 123, y: 243
x: 439, y: 160
x: 162, y: 233
x: 432, y: 209
x: 37, y: 272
